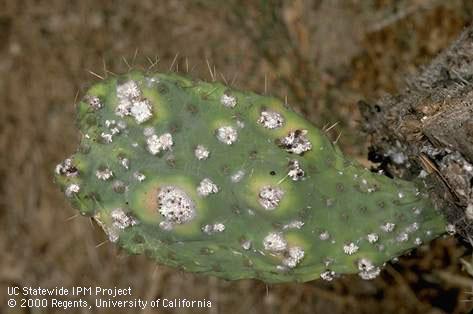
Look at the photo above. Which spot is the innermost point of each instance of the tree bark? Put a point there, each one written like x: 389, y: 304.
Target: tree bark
x: 426, y: 131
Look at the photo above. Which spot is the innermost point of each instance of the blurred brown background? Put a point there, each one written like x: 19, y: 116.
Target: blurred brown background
x: 323, y: 55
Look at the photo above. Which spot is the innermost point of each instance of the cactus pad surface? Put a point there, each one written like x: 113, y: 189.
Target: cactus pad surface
x: 213, y: 180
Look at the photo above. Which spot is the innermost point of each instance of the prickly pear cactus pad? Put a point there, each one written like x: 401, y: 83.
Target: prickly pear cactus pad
x: 228, y: 183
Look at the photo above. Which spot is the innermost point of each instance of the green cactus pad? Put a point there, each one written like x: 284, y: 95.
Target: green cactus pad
x: 218, y: 181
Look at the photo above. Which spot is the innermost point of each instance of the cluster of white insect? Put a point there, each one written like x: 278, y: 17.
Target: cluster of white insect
x: 157, y: 144
x: 227, y: 134
x: 107, y: 137
x: 207, y: 187
x: 328, y: 275
x: 388, y: 227
x: 228, y: 101
x: 201, y: 153
x: 113, y: 129
x: 350, y: 248
x: 368, y: 270
x: 141, y: 111
x: 104, y: 174
x: 67, y: 168
x: 175, y: 206
x: 275, y: 242
x: 372, y: 237
x: 296, y: 142
x: 295, y: 171
x: 294, y: 256
x: 270, y: 119
x: 131, y: 102
x: 72, y: 189
x: 120, y: 221
x: 270, y: 197
x: 213, y: 228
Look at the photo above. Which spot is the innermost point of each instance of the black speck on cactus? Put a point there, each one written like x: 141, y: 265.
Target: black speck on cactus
x: 228, y: 183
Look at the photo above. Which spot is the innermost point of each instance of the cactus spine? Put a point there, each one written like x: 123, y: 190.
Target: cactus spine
x: 213, y: 180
